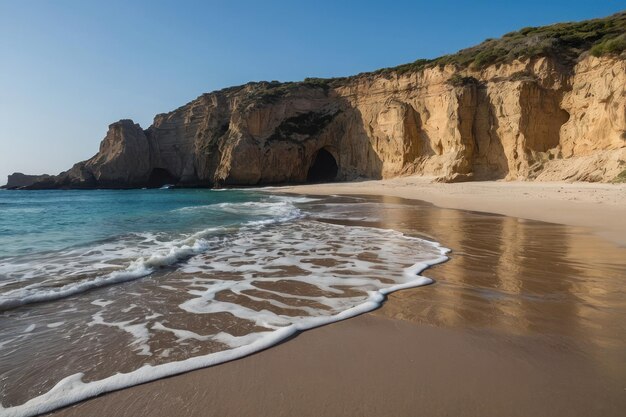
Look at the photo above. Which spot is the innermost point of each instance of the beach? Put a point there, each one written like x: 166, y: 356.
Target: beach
x: 599, y: 207
x: 384, y: 211
x: 526, y: 318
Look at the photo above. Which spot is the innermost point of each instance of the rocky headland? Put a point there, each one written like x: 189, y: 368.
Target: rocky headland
x: 19, y: 180
x: 540, y: 104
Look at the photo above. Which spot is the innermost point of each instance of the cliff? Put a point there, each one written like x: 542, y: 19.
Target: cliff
x: 539, y: 104
x: 18, y: 180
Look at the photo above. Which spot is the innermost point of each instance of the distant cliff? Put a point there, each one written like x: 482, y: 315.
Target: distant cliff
x: 539, y: 104
x: 18, y: 180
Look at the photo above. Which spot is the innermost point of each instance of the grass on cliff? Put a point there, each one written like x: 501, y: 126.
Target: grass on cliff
x: 565, y: 41
x: 459, y: 81
x: 609, y: 46
x: 270, y: 92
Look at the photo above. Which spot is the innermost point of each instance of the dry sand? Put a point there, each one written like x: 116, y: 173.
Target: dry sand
x: 600, y: 207
x: 527, y: 318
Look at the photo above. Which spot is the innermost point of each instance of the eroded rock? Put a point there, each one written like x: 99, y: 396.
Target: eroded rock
x: 530, y: 120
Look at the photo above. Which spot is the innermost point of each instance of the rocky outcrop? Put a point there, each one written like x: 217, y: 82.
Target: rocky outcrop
x: 19, y: 180
x: 529, y: 119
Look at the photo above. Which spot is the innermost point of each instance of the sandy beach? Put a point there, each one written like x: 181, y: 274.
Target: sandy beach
x: 599, y: 207
x: 372, y: 366
x: 527, y: 318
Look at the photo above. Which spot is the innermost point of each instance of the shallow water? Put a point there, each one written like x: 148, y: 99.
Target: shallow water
x: 101, y: 290
x: 276, y: 265
x: 525, y: 319
x: 535, y: 282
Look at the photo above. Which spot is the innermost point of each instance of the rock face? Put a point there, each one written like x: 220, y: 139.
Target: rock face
x: 531, y: 119
x: 19, y: 180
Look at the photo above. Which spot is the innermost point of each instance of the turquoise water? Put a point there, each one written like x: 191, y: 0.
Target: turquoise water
x: 39, y: 221
x: 60, y: 243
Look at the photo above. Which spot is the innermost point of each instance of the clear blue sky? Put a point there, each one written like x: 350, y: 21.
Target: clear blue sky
x: 70, y: 68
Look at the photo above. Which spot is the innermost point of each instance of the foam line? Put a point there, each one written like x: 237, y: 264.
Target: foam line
x: 28, y: 296
x: 168, y: 253
x: 72, y: 389
x: 95, y: 261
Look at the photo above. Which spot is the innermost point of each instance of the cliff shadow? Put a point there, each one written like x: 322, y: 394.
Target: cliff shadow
x: 423, y: 139
x: 489, y: 161
x: 324, y: 167
x: 343, y: 150
x: 160, y: 177
x: 357, y: 150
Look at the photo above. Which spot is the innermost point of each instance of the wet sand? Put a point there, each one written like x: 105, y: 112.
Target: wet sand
x: 599, y: 207
x: 527, y: 318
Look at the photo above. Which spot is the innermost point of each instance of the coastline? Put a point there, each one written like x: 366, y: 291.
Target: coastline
x: 596, y: 206
x: 492, y: 337
x: 374, y: 366
x: 441, y: 237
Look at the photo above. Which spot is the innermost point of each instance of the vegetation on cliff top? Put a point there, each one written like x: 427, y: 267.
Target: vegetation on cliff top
x: 564, y: 41
x: 269, y: 92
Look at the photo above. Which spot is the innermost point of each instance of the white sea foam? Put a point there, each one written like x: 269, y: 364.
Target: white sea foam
x: 138, y: 331
x: 358, y: 258
x: 37, y: 293
x: 347, y: 271
x: 75, y: 271
x: 102, y: 303
x: 192, y: 209
x: 71, y: 272
x: 72, y: 389
x: 30, y: 328
x: 278, y: 210
x: 129, y: 308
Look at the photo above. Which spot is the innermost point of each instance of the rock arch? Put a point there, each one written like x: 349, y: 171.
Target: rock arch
x: 160, y: 177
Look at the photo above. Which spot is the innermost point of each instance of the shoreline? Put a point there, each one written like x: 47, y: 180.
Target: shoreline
x: 375, y: 366
x: 478, y: 342
x: 599, y: 207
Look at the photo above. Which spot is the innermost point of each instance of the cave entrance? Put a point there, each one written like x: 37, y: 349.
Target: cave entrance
x: 324, y: 167
x: 160, y: 177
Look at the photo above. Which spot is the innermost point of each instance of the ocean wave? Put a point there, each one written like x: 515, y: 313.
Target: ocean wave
x: 347, y: 270
x: 272, y: 211
x: 168, y: 254
x: 301, y: 242
x: 120, y: 260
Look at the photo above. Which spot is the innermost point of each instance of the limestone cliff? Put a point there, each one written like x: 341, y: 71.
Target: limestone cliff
x: 549, y: 115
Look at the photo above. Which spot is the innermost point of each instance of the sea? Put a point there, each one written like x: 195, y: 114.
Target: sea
x: 105, y: 289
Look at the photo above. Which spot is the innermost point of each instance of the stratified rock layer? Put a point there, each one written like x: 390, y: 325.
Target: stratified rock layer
x: 531, y: 120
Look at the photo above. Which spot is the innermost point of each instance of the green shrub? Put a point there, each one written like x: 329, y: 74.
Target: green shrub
x: 610, y: 46
x: 564, y: 41
x: 458, y: 80
x: 523, y: 76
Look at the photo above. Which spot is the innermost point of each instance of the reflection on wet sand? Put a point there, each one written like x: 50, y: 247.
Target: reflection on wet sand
x: 538, y: 296
x: 526, y: 319
x: 547, y: 282
x: 250, y: 287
